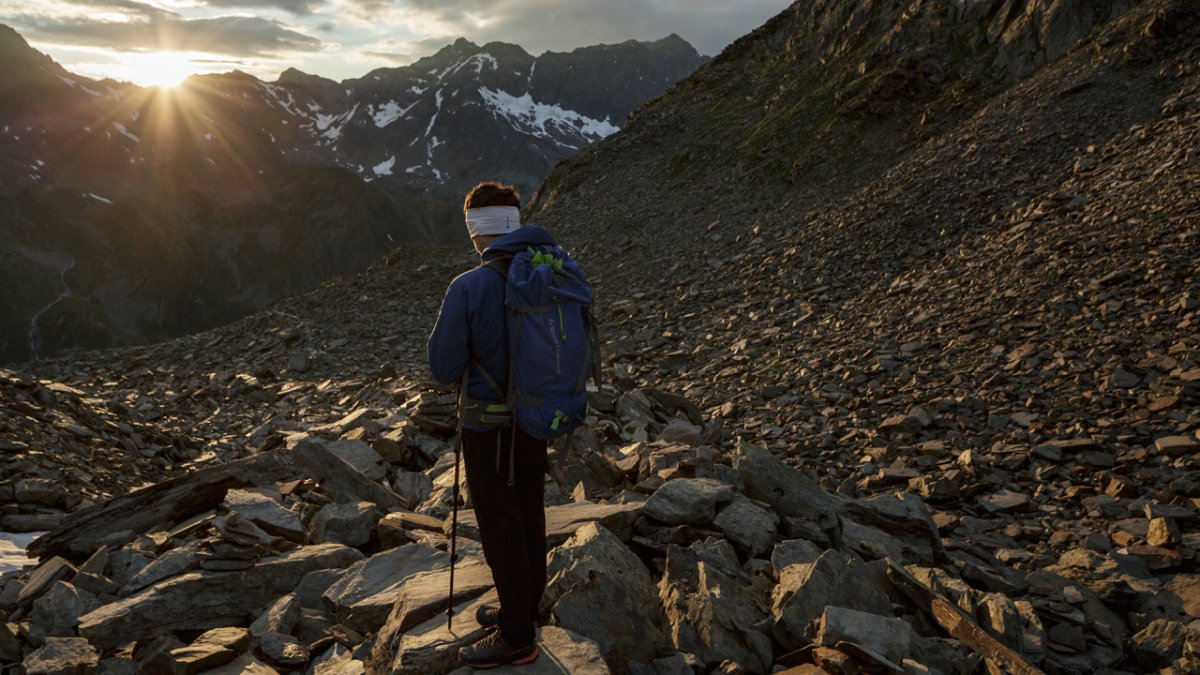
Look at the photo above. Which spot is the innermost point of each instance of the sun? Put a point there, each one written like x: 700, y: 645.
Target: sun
x: 162, y: 69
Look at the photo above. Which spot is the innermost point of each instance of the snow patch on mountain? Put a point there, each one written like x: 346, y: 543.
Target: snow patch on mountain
x: 544, y: 120
x: 385, y: 168
x: 438, y: 100
x: 331, y: 126
x: 388, y: 112
x: 125, y: 132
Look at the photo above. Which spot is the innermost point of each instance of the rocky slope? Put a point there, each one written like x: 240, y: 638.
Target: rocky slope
x: 911, y: 388
x: 135, y: 214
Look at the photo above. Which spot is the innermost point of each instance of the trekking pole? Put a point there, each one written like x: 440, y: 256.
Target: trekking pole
x: 462, y: 392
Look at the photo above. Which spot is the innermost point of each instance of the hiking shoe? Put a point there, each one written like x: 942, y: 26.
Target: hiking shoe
x: 493, y: 650
x: 487, y: 616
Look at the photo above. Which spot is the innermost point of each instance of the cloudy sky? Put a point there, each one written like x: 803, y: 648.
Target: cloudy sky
x: 160, y: 41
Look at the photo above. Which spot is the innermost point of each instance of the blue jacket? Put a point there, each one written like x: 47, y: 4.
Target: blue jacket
x: 471, y: 326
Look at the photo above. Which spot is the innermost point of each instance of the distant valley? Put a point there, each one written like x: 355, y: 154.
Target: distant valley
x: 130, y: 215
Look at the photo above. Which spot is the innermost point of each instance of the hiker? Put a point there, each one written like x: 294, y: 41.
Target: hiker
x: 505, y: 465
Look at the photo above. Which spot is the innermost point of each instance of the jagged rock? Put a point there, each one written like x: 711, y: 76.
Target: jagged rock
x: 171, y: 563
x: 432, y: 646
x: 424, y: 595
x: 245, y: 664
x: 280, y: 617
x: 393, y: 529
x: 56, y: 613
x: 599, y: 589
x: 1159, y: 644
x: 267, y: 513
x: 793, y: 552
x: 365, y: 594
x: 43, y: 577
x: 349, y: 523
x: 687, y: 501
x: 213, y: 648
x: 283, y: 650
x: 340, y: 478
x: 201, y: 600
x: 115, y: 665
x: 790, y: 494
x: 882, y: 636
x: 711, y: 614
x: 360, y: 456
x: 564, y: 520
x: 805, y: 590
x: 750, y: 527
x: 62, y: 656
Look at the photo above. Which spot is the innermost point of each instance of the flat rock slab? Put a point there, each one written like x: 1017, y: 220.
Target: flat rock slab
x: 431, y: 647
x: 364, y: 596
x: 562, y: 521
x: 561, y: 653
x: 267, y: 513
x: 423, y: 596
x: 205, y: 599
x: 246, y: 664
x: 687, y: 501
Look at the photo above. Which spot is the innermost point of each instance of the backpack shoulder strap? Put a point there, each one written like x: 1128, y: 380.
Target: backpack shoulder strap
x: 499, y: 264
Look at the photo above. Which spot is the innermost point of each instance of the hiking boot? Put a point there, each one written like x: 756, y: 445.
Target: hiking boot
x: 487, y: 616
x: 493, y: 650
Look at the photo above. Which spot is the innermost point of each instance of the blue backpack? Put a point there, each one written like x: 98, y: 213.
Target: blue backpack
x: 552, y: 342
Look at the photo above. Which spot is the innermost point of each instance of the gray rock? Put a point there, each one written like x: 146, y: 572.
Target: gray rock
x: 599, y: 589
x: 267, y: 513
x: 793, y: 552
x: 360, y: 456
x: 116, y: 665
x: 62, y: 656
x: 431, y: 647
x: 373, y: 588
x: 836, y: 578
x: 789, y: 493
x: 349, y: 523
x: 413, y: 487
x: 712, y: 614
x: 172, y: 563
x: 282, y: 650
x: 212, y: 648
x: 280, y: 617
x: 687, y: 501
x: 750, y: 527
x: 313, y: 586
x: 883, y: 635
x: 204, y: 599
x: 57, y: 612
x: 245, y: 664
x: 681, y: 431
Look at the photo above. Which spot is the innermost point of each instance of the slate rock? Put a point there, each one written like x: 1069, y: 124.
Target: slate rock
x: 56, y: 613
x: 599, y: 589
x: 212, y: 648
x: 283, y: 650
x: 267, y: 513
x: 279, y: 617
x: 836, y: 578
x: 562, y: 520
x: 1160, y: 643
x: 62, y: 656
x: 364, y: 595
x: 750, y: 527
x: 886, y: 636
x: 349, y: 523
x: 712, y: 614
x: 687, y: 501
x: 789, y: 493
x: 432, y: 646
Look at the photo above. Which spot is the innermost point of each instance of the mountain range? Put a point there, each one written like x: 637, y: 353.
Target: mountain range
x: 131, y: 214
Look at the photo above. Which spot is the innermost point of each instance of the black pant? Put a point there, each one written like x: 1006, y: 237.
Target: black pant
x: 512, y: 522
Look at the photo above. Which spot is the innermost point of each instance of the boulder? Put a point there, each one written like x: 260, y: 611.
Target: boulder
x: 789, y: 493
x: 57, y: 612
x: 599, y: 589
x: 1159, y: 644
x: 283, y: 650
x: 836, y: 578
x: 750, y: 527
x: 62, y: 656
x: 432, y: 646
x: 713, y: 614
x: 280, y: 617
x: 245, y: 664
x: 881, y: 636
x: 205, y: 599
x: 365, y: 594
x: 687, y: 501
x: 360, y: 456
x: 172, y: 563
x: 213, y: 648
x: 349, y: 523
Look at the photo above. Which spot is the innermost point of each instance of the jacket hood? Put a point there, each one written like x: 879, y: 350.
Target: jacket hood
x: 518, y: 240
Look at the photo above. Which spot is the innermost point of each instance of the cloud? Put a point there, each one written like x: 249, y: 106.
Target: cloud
x: 297, y: 7
x: 230, y: 35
